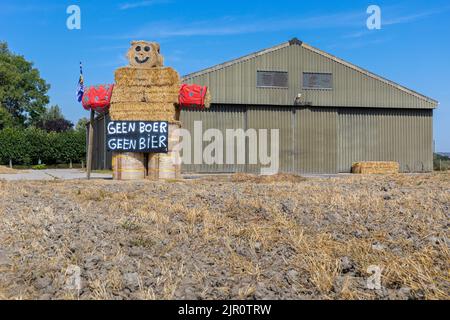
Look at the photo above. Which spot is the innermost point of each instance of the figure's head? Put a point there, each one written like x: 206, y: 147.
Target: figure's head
x: 144, y: 54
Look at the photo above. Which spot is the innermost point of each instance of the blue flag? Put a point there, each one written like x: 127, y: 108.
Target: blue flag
x: 80, y: 89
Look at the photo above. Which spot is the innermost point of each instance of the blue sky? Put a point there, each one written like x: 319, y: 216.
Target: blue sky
x: 412, y: 47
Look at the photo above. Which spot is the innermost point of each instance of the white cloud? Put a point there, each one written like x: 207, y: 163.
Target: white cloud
x: 395, y: 19
x: 229, y: 26
x: 243, y: 25
x: 413, y: 17
x: 140, y: 4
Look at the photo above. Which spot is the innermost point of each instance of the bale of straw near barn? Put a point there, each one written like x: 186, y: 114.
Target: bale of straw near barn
x: 146, y: 91
x: 376, y: 167
x: 166, y: 166
x: 127, y: 94
x: 207, y: 99
x: 152, y: 77
x: 161, y: 166
x: 145, y: 94
x: 143, y: 111
x: 128, y: 166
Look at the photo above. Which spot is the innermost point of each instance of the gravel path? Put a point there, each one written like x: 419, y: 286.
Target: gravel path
x: 52, y: 174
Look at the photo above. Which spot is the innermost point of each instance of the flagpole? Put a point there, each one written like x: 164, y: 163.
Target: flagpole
x: 90, y: 145
x: 91, y: 136
x: 91, y: 126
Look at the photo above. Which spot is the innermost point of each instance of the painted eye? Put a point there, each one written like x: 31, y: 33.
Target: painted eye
x: 138, y: 48
x: 147, y: 49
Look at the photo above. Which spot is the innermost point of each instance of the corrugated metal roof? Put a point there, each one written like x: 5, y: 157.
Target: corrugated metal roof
x: 317, y: 51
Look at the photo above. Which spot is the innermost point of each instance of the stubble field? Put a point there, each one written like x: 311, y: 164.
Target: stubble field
x: 230, y: 237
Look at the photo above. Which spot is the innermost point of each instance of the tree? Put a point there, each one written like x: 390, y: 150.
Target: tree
x: 81, y: 125
x: 52, y: 120
x: 14, y: 146
x: 23, y: 93
x: 6, y: 120
x: 52, y: 113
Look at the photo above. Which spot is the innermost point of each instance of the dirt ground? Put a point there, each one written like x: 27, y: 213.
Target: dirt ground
x: 235, y: 237
x: 7, y: 170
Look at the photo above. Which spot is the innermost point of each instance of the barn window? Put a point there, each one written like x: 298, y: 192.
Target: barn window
x: 272, y: 79
x: 314, y: 80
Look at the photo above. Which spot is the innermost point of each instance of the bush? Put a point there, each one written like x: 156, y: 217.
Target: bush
x: 28, y: 146
x: 39, y: 167
x: 441, y: 162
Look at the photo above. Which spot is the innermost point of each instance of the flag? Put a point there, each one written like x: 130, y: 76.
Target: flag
x: 80, y: 89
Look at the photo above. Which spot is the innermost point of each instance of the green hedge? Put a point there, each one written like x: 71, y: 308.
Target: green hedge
x: 27, y: 146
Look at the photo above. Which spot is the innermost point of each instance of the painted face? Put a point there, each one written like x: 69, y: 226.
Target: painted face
x: 145, y: 54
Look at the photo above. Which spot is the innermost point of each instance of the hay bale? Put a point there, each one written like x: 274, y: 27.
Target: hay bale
x: 143, y: 111
x: 147, y: 107
x: 208, y: 99
x: 162, y: 167
x: 174, y: 135
x: 376, y: 167
x: 145, y: 54
x: 165, y: 94
x: 145, y: 95
x: 128, y: 76
x: 128, y: 166
x: 137, y: 116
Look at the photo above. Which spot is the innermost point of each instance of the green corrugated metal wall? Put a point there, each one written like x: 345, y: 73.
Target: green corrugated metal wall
x: 274, y: 118
x: 236, y: 84
x: 315, y: 140
x: 218, y: 117
x: 405, y: 136
x: 325, y: 140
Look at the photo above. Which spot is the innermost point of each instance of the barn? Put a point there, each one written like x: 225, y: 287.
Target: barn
x: 329, y: 113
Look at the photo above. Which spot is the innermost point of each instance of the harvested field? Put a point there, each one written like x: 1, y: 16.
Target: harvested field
x: 238, y: 237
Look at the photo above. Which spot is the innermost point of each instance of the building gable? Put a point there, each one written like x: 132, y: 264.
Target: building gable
x: 236, y: 82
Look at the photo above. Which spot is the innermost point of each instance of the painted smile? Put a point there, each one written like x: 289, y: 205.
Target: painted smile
x: 141, y: 61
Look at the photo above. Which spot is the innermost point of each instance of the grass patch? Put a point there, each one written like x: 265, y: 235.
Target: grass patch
x: 39, y: 167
